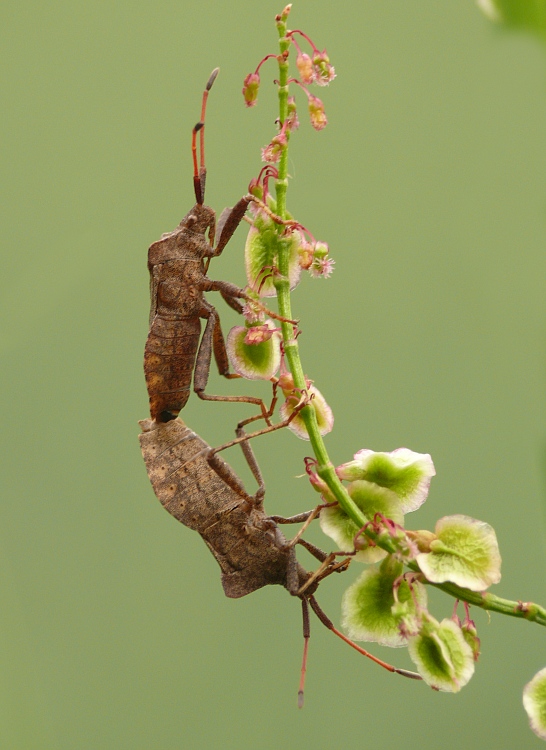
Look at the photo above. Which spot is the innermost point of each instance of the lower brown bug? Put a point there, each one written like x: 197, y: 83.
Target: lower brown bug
x: 196, y: 486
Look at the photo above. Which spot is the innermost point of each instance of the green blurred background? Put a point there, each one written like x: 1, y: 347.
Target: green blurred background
x: 429, y: 184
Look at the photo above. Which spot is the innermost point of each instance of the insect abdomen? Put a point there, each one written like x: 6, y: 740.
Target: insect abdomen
x: 169, y: 361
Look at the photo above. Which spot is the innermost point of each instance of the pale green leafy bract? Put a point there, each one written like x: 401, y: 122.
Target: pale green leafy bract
x: 371, y: 499
x: 534, y: 702
x: 325, y: 415
x: 254, y: 361
x: 465, y: 552
x: 443, y: 657
x: 262, y: 251
x: 367, y: 606
x: 403, y: 471
x: 525, y: 15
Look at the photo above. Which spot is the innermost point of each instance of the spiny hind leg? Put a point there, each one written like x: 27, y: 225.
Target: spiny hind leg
x: 243, y: 438
x: 213, y: 342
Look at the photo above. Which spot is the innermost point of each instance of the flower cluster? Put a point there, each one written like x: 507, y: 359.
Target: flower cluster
x: 314, y: 68
x: 267, y: 238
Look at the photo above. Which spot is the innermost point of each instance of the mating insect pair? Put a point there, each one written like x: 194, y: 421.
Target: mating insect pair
x: 196, y: 486
x: 189, y: 478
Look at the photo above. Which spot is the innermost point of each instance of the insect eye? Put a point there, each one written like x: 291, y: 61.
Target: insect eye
x: 191, y: 220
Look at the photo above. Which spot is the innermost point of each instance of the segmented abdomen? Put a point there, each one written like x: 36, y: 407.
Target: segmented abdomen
x: 169, y: 361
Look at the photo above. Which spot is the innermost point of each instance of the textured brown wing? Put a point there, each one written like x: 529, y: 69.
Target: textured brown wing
x: 249, y: 547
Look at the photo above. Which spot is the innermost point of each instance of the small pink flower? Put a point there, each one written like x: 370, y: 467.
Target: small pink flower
x: 253, y: 314
x: 322, y: 267
x: 316, y: 113
x: 324, y: 72
x: 259, y: 334
x: 305, y: 68
x: 251, y: 85
x: 272, y: 152
x: 321, y: 264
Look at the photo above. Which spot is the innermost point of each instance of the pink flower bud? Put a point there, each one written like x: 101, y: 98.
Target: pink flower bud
x: 251, y: 85
x: 305, y: 253
x: 292, y: 122
x: 316, y: 113
x: 319, y: 485
x: 255, y: 188
x: 323, y: 71
x: 305, y: 68
x: 286, y: 383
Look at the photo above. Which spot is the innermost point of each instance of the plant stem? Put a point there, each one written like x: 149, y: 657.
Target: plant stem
x: 325, y: 469
x: 523, y: 610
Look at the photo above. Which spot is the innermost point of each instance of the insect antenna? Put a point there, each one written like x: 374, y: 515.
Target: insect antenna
x: 200, y: 172
x: 325, y: 620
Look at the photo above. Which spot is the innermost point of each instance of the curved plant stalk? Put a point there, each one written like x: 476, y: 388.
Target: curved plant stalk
x: 325, y: 468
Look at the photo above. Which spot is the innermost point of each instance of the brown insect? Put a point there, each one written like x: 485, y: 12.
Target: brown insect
x: 202, y: 491
x: 178, y: 265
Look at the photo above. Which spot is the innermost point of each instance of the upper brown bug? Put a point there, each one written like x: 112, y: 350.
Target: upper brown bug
x: 178, y: 263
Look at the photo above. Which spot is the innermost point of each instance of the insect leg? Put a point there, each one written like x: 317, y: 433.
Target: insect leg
x: 306, y: 636
x: 300, y: 518
x: 226, y: 288
x: 230, y: 218
x: 325, y: 620
x: 229, y: 221
x: 226, y: 473
x: 213, y: 341
x: 232, y: 302
x: 242, y: 439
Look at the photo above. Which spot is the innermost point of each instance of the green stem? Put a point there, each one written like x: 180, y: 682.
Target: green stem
x: 523, y: 610
x: 528, y: 611
x: 325, y: 467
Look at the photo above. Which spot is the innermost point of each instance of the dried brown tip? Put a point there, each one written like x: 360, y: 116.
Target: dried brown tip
x: 212, y: 79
